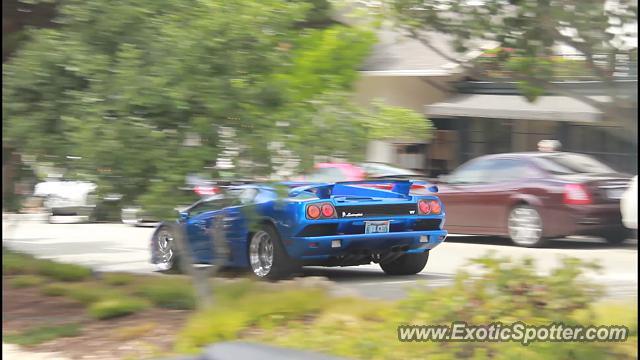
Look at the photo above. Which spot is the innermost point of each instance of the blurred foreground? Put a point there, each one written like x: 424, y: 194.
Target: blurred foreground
x: 69, y: 309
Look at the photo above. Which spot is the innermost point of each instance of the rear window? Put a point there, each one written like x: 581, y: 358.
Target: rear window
x: 571, y: 164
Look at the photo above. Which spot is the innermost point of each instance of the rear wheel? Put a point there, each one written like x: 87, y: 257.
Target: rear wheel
x: 525, y: 226
x: 267, y: 257
x: 618, y: 236
x: 407, y: 264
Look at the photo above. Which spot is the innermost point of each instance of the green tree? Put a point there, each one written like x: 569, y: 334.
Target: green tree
x: 143, y: 91
x: 528, y: 32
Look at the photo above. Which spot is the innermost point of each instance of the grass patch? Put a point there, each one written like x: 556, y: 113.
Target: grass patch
x: 116, y: 307
x: 25, y: 281
x: 90, y: 293
x: 42, y: 334
x: 14, y: 263
x: 63, y: 272
x: 168, y: 293
x: 55, y: 289
x: 117, y: 279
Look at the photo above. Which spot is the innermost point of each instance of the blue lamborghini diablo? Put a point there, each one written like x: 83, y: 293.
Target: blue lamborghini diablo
x: 336, y: 224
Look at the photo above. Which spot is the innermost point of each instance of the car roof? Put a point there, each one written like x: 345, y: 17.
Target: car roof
x: 524, y: 154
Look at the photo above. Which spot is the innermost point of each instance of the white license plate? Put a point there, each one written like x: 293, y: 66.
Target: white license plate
x: 374, y: 227
x: 615, y: 193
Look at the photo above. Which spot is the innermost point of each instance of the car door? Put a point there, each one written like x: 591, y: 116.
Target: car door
x: 199, y: 226
x: 459, y: 193
x: 506, y: 179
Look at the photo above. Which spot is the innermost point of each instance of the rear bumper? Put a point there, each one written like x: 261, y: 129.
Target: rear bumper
x: 320, y: 247
x: 590, y: 219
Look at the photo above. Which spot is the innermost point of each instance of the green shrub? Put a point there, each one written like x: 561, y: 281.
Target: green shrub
x: 42, y: 334
x: 18, y: 263
x: 259, y: 306
x: 63, y: 272
x: 166, y: 293
x: 14, y: 263
x: 24, y: 281
x: 55, y: 289
x: 118, y: 279
x: 116, y: 307
x: 90, y: 293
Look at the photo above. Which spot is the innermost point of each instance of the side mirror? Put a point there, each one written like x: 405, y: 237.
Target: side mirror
x: 433, y: 189
x: 184, y: 215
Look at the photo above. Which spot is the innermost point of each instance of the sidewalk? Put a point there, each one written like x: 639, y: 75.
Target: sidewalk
x: 14, y: 352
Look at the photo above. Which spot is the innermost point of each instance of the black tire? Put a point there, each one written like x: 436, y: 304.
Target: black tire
x: 171, y: 265
x: 282, y: 265
x: 525, y: 226
x: 618, y: 236
x: 407, y: 264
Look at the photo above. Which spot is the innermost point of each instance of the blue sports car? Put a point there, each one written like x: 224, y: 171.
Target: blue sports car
x: 336, y: 224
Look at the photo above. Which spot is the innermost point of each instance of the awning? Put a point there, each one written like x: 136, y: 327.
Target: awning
x: 516, y: 107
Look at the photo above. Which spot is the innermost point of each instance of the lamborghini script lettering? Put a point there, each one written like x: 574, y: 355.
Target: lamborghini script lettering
x: 346, y: 214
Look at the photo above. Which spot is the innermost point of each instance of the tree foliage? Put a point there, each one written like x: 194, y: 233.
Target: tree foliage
x: 603, y: 32
x: 142, y: 91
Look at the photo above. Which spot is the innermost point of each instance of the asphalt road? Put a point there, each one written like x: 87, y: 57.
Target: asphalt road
x: 119, y: 247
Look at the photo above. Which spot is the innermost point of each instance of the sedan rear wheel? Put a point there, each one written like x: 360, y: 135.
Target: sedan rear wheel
x: 525, y: 226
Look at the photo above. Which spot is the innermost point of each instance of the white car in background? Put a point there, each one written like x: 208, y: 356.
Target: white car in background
x: 71, y: 200
x: 629, y: 205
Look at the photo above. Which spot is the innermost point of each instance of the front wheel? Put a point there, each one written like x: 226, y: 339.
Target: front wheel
x: 407, y: 264
x: 165, y: 255
x: 525, y: 226
x: 267, y: 257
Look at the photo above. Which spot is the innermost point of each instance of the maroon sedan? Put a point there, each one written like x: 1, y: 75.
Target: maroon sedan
x: 531, y: 197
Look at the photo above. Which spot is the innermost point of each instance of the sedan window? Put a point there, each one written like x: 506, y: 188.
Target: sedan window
x: 511, y: 169
x: 475, y: 172
x: 568, y: 163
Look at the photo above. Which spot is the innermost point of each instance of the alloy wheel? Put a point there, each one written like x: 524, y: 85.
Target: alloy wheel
x: 261, y: 253
x: 525, y: 226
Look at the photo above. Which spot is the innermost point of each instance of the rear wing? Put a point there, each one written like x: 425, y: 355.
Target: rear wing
x: 399, y: 188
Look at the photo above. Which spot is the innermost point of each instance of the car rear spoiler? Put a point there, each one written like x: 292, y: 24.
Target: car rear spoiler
x: 400, y: 189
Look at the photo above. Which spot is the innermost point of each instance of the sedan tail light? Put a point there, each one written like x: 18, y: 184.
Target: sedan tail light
x: 576, y: 194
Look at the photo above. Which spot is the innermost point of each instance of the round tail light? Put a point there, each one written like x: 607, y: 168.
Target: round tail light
x: 327, y: 210
x: 313, y: 212
x: 423, y: 207
x: 435, y: 206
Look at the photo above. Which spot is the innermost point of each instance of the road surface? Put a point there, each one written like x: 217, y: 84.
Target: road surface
x: 119, y: 247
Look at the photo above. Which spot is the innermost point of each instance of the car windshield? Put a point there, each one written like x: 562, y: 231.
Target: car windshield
x: 377, y: 170
x: 567, y: 163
